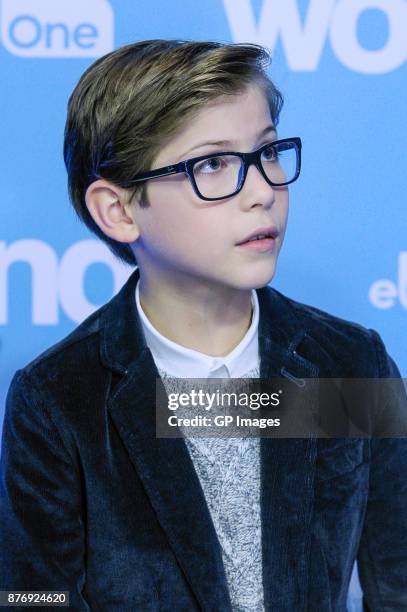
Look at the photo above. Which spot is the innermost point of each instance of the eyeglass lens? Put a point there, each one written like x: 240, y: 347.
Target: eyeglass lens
x: 220, y: 176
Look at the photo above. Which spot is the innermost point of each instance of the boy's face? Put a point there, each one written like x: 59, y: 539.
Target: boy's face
x: 185, y: 238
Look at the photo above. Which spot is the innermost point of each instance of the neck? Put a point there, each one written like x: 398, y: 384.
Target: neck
x: 206, y: 318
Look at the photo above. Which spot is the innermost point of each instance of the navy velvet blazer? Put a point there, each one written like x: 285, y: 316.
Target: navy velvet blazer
x: 94, y: 504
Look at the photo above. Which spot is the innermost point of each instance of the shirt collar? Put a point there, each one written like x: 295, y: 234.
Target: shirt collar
x: 179, y: 361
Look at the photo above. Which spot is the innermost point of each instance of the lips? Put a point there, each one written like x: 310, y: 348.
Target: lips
x: 263, y: 232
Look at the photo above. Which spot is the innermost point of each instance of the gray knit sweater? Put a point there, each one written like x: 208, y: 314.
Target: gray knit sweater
x: 229, y: 472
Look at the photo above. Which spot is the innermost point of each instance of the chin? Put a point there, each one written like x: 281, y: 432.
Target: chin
x: 252, y: 279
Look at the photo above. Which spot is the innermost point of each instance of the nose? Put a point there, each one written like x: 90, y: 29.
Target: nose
x: 256, y: 191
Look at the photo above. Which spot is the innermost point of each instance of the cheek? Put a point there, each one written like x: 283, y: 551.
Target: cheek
x: 178, y: 209
x: 178, y: 222
x: 282, y: 205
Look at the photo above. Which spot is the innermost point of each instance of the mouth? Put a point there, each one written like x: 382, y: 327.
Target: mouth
x: 261, y: 245
x: 263, y: 236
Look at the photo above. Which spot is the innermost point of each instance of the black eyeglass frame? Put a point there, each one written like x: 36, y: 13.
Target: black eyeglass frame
x: 248, y: 159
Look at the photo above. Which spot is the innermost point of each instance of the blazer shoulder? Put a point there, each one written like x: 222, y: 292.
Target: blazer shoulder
x: 359, y: 348
x: 70, y: 350
x: 323, y: 321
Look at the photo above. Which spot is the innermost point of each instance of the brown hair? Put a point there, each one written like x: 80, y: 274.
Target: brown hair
x: 133, y: 98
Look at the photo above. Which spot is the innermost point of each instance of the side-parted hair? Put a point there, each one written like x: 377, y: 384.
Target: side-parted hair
x: 131, y: 100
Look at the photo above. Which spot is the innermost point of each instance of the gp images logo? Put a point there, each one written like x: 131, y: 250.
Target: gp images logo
x: 57, y: 28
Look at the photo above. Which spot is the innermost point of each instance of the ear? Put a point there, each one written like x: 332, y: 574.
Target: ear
x: 109, y: 206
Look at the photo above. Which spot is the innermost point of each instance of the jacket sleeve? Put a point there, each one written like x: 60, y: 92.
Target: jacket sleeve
x: 42, y: 533
x: 382, y: 555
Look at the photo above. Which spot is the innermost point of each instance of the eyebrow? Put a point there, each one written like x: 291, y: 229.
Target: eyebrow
x: 225, y: 143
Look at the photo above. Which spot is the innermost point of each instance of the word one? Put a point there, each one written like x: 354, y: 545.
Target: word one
x: 303, y: 40
x: 57, y: 28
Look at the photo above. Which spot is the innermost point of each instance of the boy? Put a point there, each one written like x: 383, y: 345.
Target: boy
x: 92, y: 501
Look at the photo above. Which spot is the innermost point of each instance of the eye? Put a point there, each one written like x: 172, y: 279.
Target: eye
x: 210, y: 165
x: 270, y: 154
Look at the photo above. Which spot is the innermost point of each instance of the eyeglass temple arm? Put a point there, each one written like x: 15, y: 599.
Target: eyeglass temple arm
x: 164, y: 171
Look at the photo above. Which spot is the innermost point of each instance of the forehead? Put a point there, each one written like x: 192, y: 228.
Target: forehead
x: 238, y: 118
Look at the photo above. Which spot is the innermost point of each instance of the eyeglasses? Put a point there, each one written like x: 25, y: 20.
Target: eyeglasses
x: 222, y: 175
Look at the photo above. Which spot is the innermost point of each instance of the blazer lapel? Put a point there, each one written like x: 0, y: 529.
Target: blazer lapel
x: 163, y: 465
x: 170, y: 481
x: 287, y: 466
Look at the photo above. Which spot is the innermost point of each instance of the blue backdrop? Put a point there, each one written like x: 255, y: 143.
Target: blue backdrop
x: 341, y: 65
